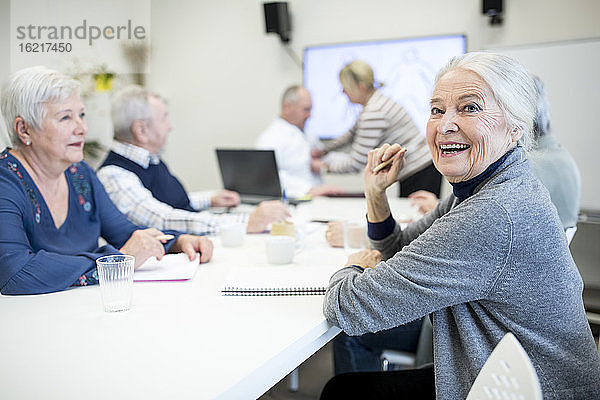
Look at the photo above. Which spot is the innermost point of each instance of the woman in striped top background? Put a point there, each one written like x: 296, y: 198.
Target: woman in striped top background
x: 381, y: 120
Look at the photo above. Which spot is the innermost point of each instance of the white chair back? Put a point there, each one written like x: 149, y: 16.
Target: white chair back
x: 507, y: 374
x: 570, y: 232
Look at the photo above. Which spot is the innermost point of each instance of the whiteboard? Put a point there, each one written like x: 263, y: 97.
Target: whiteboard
x: 570, y: 70
x: 407, y: 67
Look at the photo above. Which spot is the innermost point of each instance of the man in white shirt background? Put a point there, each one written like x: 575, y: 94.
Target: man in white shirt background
x: 142, y: 187
x: 292, y: 144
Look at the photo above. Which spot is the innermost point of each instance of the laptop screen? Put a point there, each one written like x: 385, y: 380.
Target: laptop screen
x: 250, y: 172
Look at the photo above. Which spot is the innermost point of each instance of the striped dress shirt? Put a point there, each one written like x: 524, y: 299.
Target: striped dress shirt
x: 130, y: 196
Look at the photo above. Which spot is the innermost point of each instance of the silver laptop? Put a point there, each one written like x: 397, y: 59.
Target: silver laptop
x: 251, y: 173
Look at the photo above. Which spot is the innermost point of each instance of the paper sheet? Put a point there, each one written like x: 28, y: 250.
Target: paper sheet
x: 172, y: 267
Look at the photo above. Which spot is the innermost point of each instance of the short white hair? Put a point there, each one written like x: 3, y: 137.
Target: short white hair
x: 291, y: 95
x: 129, y: 104
x: 511, y: 84
x: 28, y: 92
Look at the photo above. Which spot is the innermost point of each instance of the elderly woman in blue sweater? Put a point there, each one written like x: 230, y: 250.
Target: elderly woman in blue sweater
x: 53, y: 209
x: 491, y: 258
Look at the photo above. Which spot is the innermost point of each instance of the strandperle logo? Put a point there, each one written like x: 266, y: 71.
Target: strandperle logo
x: 83, y: 31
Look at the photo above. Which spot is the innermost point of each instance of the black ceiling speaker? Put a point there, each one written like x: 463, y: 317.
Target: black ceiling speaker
x: 277, y: 19
x: 493, y: 9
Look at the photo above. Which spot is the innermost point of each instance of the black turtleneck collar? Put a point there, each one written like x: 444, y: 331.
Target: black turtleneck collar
x: 463, y: 190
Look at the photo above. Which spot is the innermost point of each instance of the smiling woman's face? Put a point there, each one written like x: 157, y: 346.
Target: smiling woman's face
x: 467, y: 130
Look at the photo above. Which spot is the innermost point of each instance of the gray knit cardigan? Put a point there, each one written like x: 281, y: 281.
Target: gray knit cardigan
x: 497, y: 262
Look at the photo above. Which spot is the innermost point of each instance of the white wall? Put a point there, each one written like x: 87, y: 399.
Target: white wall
x: 223, y: 75
x: 569, y: 70
x: 5, y: 63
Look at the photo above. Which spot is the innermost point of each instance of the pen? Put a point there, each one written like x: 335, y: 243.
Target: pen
x: 386, y: 162
x: 164, y: 237
x: 284, y: 199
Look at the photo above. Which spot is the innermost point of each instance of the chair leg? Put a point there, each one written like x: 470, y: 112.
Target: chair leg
x: 385, y: 364
x: 293, y: 383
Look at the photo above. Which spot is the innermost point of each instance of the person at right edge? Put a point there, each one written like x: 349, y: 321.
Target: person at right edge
x: 553, y: 164
x: 491, y: 258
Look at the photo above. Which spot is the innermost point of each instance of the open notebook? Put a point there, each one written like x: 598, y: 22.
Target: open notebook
x: 280, y: 280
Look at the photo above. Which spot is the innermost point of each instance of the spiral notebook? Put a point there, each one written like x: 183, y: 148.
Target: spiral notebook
x: 280, y: 280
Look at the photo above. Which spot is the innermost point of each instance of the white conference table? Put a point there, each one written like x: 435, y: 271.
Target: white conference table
x: 180, y: 340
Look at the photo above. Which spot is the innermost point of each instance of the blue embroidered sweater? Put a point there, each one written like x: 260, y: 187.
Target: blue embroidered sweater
x: 35, y: 256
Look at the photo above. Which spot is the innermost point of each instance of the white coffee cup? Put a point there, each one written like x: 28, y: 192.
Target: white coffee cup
x: 280, y: 249
x: 232, y: 235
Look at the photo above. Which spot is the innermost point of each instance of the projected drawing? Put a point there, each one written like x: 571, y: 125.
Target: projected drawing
x: 407, y: 69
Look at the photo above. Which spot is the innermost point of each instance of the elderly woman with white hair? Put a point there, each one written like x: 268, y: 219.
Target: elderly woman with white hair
x: 52, y: 207
x: 491, y: 258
